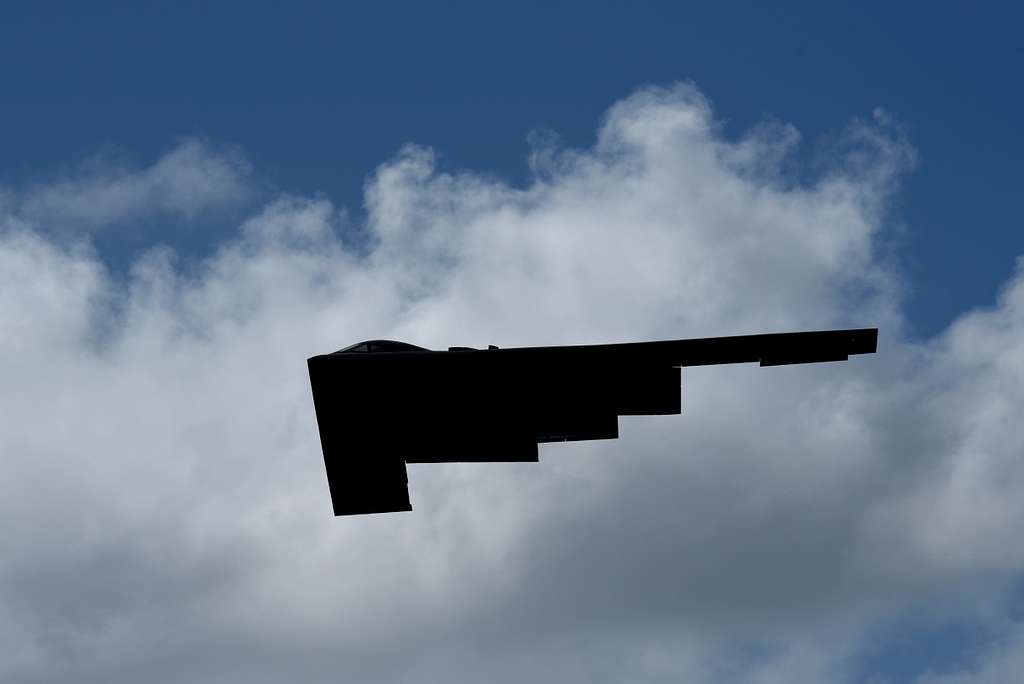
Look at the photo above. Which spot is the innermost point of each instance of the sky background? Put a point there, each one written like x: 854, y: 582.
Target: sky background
x: 194, y: 199
x: 318, y: 94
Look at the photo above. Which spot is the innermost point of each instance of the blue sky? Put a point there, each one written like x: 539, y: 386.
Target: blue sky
x: 467, y: 173
x: 318, y: 94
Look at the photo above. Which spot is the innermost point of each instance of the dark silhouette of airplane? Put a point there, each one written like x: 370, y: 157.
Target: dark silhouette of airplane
x: 381, y: 404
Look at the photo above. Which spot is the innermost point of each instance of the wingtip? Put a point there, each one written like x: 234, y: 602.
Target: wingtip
x: 864, y: 341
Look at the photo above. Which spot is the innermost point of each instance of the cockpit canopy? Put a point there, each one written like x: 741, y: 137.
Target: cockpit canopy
x: 378, y: 346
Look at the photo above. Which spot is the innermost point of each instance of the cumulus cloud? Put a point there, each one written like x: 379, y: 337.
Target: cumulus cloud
x: 189, y: 179
x: 170, y: 514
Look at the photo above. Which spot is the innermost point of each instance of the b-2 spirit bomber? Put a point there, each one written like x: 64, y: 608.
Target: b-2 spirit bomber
x: 381, y: 404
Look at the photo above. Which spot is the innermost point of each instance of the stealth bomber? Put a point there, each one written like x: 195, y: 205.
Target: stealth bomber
x: 381, y: 404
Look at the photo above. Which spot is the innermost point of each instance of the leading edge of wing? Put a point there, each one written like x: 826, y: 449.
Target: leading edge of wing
x: 768, y: 349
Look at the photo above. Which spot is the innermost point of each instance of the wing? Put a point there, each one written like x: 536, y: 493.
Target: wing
x: 771, y: 349
x: 377, y: 412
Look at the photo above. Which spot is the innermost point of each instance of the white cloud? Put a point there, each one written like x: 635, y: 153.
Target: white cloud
x: 163, y: 470
x: 189, y: 179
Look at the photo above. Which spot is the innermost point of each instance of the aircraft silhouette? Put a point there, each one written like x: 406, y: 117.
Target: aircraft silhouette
x: 381, y: 404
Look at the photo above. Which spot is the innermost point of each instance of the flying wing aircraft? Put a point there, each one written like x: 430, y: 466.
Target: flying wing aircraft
x: 381, y: 404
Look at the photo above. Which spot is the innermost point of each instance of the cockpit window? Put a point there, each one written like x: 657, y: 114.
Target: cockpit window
x: 389, y: 346
x: 377, y: 346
